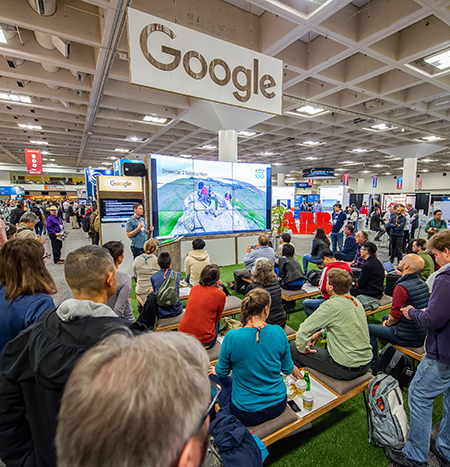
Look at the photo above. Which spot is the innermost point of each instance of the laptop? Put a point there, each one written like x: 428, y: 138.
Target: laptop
x: 388, y: 266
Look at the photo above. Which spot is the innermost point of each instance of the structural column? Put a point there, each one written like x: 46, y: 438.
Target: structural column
x: 360, y: 185
x: 228, y: 146
x: 409, y: 175
x: 280, y: 179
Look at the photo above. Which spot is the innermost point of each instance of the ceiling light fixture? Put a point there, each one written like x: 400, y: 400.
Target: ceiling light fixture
x: 426, y: 160
x: 359, y: 150
x: 247, y: 134
x: 113, y: 158
x: 440, y: 60
x: 266, y: 153
x: 388, y: 173
x: 2, y: 37
x: 38, y: 142
x: 134, y: 138
x: 365, y: 171
x: 121, y: 150
x: 310, y: 158
x: 277, y: 163
x: 432, y: 138
x: 424, y: 170
x: 208, y: 147
x: 155, y: 119
x: 311, y: 143
x: 310, y: 110
x: 15, y: 98
x: 186, y: 155
x: 29, y: 127
x: 45, y: 153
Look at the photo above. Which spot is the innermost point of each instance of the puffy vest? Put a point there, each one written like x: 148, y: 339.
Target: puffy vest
x: 407, y: 330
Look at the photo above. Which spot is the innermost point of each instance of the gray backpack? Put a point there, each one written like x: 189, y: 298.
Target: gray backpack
x: 167, y: 294
x: 388, y: 425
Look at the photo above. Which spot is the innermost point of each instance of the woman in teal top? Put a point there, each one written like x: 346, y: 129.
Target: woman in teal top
x: 257, y: 354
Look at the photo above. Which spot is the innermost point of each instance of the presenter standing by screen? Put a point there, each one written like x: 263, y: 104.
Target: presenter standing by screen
x: 137, y: 230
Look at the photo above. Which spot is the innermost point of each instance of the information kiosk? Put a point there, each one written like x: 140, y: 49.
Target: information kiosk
x: 116, y: 196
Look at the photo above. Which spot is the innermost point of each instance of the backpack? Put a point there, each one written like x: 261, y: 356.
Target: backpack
x: 149, y: 312
x: 395, y: 363
x: 86, y: 224
x: 313, y: 277
x: 388, y: 424
x: 167, y: 294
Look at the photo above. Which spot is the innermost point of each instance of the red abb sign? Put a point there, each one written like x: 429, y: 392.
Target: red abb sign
x: 307, y: 223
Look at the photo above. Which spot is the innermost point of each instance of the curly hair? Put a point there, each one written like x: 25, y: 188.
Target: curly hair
x: 264, y: 274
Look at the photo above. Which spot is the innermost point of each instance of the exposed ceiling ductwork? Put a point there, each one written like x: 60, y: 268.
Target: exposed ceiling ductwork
x: 43, y: 7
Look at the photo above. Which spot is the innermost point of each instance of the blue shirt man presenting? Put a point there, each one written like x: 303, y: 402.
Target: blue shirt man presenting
x: 137, y: 230
x: 337, y: 219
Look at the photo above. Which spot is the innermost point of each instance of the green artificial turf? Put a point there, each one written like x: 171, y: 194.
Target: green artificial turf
x: 337, y: 438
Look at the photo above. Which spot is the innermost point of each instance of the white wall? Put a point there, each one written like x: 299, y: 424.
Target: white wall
x: 4, y: 178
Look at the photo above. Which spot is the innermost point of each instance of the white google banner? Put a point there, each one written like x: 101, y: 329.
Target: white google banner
x: 119, y: 183
x: 167, y: 56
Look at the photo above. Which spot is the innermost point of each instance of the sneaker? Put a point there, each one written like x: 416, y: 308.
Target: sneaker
x: 397, y: 458
x: 61, y: 261
x: 443, y: 462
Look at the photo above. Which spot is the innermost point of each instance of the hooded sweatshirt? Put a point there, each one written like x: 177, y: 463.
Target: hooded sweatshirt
x: 36, y: 366
x: 194, y: 263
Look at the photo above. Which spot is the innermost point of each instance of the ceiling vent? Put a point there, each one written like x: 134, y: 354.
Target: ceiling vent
x: 43, y: 7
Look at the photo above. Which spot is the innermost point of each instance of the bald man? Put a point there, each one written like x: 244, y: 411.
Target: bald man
x: 409, y: 290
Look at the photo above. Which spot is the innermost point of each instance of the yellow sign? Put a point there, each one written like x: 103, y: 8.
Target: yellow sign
x: 126, y: 184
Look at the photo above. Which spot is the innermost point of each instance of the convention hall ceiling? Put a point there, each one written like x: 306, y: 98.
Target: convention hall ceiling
x: 378, y: 70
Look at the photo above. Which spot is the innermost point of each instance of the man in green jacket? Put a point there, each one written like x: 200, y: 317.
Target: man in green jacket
x: 419, y: 247
x: 436, y: 224
x: 343, y: 322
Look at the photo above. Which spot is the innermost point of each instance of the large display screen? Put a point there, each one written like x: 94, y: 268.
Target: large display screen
x: 117, y: 210
x: 194, y: 197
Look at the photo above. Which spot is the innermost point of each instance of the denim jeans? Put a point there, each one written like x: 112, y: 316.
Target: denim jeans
x: 311, y: 305
x: 337, y: 240
x: 382, y: 332
x: 310, y: 259
x: 431, y: 379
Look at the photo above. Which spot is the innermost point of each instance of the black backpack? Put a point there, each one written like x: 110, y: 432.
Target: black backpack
x: 395, y: 363
x: 313, y: 277
x: 86, y: 223
x: 149, y: 312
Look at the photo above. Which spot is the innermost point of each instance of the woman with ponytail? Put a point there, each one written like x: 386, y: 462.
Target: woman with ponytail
x: 257, y: 354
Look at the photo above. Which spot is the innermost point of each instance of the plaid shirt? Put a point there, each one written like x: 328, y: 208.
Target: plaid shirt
x: 359, y: 260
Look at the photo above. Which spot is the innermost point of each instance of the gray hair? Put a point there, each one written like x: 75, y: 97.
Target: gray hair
x: 85, y: 268
x: 29, y: 217
x: 133, y: 402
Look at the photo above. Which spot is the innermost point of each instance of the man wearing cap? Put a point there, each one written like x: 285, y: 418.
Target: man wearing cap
x: 54, y: 228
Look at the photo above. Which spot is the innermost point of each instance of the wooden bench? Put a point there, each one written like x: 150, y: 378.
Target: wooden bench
x: 416, y: 353
x: 288, y: 422
x: 232, y: 307
x: 305, y: 292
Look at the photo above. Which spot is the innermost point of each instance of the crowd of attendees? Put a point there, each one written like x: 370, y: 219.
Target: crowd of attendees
x: 110, y: 380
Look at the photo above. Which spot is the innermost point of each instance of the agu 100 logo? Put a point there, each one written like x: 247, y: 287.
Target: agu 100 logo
x: 260, y: 173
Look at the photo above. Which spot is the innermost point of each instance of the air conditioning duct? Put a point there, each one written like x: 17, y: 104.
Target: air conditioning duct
x: 14, y: 62
x: 50, y: 68
x: 43, y: 7
x: 44, y: 40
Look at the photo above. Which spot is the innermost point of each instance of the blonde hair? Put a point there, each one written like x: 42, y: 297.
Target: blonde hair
x: 264, y: 274
x: 254, y: 304
x: 150, y: 246
x: 133, y: 402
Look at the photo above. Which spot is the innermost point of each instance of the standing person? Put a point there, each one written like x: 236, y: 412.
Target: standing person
x: 94, y: 225
x: 120, y: 301
x: 396, y: 226
x: 318, y: 207
x: 256, y: 355
x: 16, y: 214
x: 364, y: 209
x: 406, y: 231
x: 73, y: 216
x: 54, y: 229
x: 375, y: 222
x: 337, y: 236
x: 433, y: 373
x: 414, y: 219
x: 35, y: 209
x: 25, y: 229
x: 436, y: 224
x: 137, y: 230
x: 25, y: 287
x: 204, y: 307
x: 320, y: 242
x: 65, y: 209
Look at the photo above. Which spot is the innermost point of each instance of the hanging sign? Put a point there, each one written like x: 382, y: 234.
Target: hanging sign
x: 420, y: 184
x: 34, y: 161
x: 399, y: 183
x: 374, y: 181
x: 345, y: 179
x: 167, y: 56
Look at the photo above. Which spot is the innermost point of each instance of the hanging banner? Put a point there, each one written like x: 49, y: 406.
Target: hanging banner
x: 34, y: 161
x: 167, y: 56
x: 375, y: 181
x: 420, y: 184
x: 345, y: 179
x: 399, y: 183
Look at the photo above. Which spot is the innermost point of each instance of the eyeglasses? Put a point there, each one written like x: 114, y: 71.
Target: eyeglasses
x: 47, y: 256
x: 215, y: 391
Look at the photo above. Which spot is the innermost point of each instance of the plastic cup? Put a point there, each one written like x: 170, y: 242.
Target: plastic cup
x: 300, y: 386
x: 290, y: 393
x: 308, y: 400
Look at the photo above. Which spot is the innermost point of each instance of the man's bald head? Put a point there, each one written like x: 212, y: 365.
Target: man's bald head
x: 411, y: 263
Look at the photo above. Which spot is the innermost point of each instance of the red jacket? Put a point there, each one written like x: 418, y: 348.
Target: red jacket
x: 323, y: 278
x: 203, y: 310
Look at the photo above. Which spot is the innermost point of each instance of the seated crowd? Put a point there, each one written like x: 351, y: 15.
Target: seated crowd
x: 88, y: 361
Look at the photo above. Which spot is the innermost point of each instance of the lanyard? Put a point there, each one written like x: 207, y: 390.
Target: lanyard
x: 350, y: 298
x: 258, y: 329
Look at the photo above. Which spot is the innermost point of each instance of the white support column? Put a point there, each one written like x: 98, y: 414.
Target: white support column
x: 228, y: 146
x: 409, y: 175
x: 360, y: 185
x: 280, y: 179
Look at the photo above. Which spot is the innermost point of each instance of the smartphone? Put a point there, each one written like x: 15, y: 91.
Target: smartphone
x: 253, y: 247
x: 294, y: 406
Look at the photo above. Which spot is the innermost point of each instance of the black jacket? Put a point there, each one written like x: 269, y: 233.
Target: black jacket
x: 289, y: 270
x: 36, y: 365
x: 371, y: 280
x: 375, y: 221
x: 276, y: 314
x: 318, y: 246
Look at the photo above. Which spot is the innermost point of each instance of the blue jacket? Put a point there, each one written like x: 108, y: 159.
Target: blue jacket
x: 157, y: 281
x: 350, y: 248
x: 20, y: 313
x: 396, y: 225
x: 338, y: 221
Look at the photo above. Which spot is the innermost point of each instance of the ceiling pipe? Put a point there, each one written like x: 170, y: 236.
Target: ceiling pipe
x: 44, y: 40
x: 43, y: 7
x: 50, y: 68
